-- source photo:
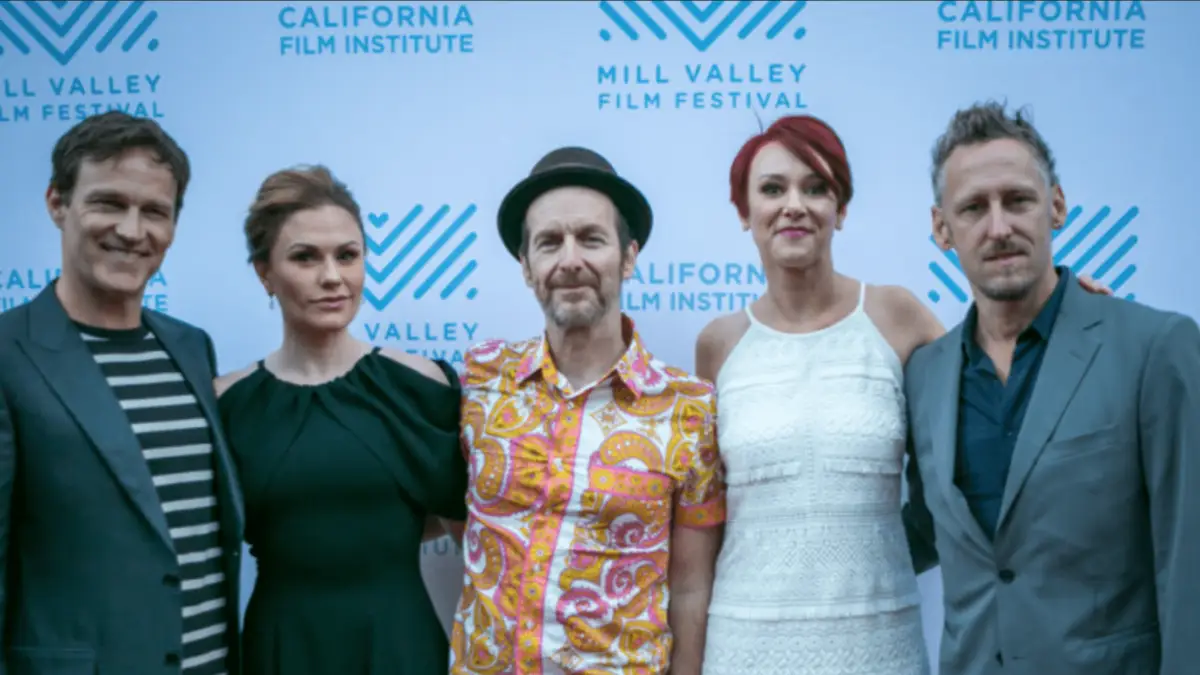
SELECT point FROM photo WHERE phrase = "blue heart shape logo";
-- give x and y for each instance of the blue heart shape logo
(393, 271)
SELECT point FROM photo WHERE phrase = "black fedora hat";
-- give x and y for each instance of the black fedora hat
(573, 166)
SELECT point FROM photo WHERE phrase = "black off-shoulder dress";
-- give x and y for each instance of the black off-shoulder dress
(338, 480)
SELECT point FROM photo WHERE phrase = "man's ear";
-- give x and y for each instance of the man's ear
(941, 229)
(1058, 208)
(56, 206)
(526, 273)
(629, 264)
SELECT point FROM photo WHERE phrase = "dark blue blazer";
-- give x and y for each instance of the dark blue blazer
(90, 573)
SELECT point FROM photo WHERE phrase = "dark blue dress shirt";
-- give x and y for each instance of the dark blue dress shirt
(990, 412)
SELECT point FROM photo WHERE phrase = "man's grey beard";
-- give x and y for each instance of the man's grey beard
(1008, 293)
(577, 317)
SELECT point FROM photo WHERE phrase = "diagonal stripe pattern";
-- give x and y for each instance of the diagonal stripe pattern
(1093, 246)
(703, 25)
(420, 252)
(63, 29)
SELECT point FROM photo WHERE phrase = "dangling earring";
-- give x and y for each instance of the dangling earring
(271, 296)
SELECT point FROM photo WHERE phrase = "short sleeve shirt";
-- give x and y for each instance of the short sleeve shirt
(572, 499)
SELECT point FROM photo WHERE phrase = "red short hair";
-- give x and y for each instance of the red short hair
(809, 139)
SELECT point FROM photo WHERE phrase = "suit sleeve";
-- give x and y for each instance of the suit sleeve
(1169, 426)
(8, 470)
(918, 522)
(211, 352)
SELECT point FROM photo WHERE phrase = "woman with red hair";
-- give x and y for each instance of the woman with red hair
(815, 574)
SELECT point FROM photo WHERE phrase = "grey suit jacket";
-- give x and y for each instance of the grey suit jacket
(1095, 566)
(90, 573)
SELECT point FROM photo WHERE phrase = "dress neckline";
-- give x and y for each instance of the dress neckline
(358, 363)
(859, 309)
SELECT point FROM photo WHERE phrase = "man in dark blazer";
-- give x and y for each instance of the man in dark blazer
(1056, 437)
(120, 515)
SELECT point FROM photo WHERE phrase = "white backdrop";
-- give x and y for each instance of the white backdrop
(430, 111)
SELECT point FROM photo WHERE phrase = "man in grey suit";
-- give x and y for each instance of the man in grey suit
(1055, 436)
(120, 516)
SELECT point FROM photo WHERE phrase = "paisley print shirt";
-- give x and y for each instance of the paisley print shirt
(573, 496)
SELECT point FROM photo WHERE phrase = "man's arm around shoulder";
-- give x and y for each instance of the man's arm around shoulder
(918, 522)
(1169, 426)
(210, 351)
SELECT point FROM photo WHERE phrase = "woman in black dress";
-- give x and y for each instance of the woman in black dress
(346, 455)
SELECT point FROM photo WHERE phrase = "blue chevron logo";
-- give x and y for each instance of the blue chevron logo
(708, 27)
(431, 257)
(1088, 250)
(62, 29)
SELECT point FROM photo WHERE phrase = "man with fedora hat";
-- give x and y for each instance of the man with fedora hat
(595, 475)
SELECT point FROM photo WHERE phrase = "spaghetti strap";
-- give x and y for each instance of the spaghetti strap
(751, 317)
(862, 296)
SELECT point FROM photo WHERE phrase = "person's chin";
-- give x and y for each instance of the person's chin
(578, 304)
(793, 254)
(1008, 288)
(121, 282)
(329, 323)
(575, 314)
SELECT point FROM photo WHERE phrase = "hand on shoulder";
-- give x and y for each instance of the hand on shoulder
(418, 363)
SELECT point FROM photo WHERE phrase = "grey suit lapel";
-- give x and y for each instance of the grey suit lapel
(191, 356)
(56, 349)
(946, 376)
(1068, 356)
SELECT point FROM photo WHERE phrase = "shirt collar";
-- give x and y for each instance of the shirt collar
(1040, 327)
(635, 369)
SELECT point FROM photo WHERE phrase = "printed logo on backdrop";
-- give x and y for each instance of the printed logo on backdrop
(69, 34)
(20, 285)
(392, 29)
(700, 75)
(692, 286)
(420, 266)
(1090, 245)
(1041, 25)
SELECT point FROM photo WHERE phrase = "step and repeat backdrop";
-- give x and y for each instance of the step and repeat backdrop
(431, 111)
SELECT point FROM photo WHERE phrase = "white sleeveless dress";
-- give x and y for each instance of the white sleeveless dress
(815, 576)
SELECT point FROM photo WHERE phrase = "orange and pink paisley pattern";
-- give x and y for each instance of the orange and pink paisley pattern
(572, 500)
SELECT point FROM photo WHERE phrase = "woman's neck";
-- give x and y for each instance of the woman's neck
(311, 357)
(798, 295)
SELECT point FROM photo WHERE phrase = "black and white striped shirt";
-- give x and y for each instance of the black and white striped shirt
(177, 444)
